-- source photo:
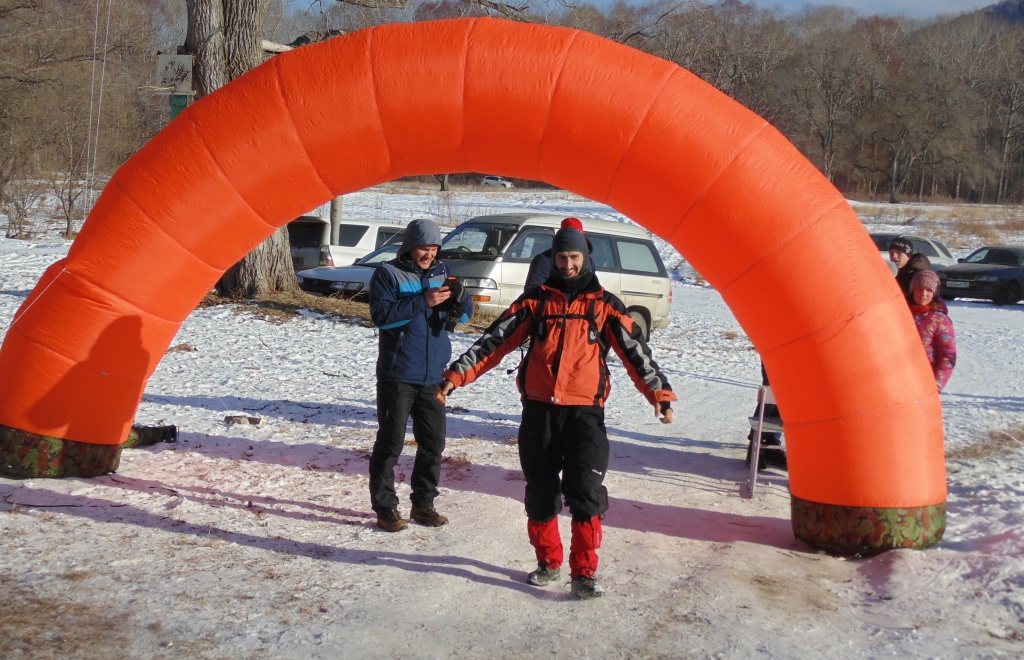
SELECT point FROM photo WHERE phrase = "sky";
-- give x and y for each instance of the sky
(912, 8)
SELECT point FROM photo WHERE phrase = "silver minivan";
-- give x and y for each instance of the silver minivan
(491, 255)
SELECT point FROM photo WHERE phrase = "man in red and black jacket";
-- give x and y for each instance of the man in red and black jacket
(563, 448)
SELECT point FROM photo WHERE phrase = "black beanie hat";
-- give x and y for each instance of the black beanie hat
(903, 245)
(568, 239)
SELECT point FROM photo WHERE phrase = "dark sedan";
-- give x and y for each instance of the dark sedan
(993, 273)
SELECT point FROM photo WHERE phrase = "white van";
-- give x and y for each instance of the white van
(356, 238)
(491, 255)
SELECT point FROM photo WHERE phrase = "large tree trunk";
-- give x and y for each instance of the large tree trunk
(226, 37)
(243, 35)
(205, 42)
(894, 177)
(267, 269)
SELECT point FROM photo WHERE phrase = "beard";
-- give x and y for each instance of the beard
(570, 285)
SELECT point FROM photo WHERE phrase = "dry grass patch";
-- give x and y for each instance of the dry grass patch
(958, 225)
(457, 466)
(34, 624)
(999, 443)
(76, 576)
(280, 308)
(983, 230)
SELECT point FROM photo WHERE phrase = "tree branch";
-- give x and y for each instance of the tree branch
(377, 4)
(271, 47)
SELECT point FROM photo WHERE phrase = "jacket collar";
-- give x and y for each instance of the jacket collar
(593, 287)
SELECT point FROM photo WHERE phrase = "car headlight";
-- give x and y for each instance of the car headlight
(299, 278)
(988, 278)
(479, 283)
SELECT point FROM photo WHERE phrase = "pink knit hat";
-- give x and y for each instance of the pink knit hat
(927, 280)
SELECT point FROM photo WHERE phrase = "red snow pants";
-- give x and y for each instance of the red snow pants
(586, 539)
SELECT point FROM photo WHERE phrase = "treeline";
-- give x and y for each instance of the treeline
(886, 108)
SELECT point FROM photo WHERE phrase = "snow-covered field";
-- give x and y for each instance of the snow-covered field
(258, 541)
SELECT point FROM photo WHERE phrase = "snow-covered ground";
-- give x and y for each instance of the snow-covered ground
(258, 541)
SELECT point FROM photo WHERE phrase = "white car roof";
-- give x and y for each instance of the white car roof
(555, 221)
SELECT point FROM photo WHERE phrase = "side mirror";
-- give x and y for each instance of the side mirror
(960, 260)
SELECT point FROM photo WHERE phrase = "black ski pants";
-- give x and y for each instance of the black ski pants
(396, 402)
(570, 441)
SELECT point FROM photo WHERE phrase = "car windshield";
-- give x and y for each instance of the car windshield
(477, 240)
(386, 253)
(994, 256)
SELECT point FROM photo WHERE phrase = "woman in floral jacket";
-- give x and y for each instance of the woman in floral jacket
(935, 328)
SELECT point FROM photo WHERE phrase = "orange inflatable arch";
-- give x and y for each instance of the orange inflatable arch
(862, 416)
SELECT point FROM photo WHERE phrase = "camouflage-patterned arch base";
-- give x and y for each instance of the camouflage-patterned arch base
(28, 455)
(850, 530)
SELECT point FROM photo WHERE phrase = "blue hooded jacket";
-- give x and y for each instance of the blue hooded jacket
(414, 346)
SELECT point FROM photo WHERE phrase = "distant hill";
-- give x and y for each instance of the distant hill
(1011, 10)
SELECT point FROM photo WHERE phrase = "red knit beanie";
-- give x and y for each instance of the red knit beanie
(573, 223)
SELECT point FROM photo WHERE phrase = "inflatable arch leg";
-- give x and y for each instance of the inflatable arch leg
(863, 418)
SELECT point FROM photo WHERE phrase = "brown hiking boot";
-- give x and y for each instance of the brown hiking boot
(543, 576)
(391, 521)
(427, 516)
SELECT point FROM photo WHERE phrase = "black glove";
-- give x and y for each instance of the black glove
(665, 406)
(458, 292)
(454, 304)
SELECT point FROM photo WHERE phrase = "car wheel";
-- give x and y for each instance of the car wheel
(641, 321)
(1010, 295)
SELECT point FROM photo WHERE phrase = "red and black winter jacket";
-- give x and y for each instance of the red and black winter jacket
(565, 364)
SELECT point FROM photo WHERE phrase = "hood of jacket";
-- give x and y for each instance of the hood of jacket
(419, 233)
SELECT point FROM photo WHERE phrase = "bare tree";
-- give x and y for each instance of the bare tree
(68, 183)
(732, 45)
(957, 54)
(892, 106)
(50, 76)
(205, 42)
(1005, 90)
(21, 195)
(819, 84)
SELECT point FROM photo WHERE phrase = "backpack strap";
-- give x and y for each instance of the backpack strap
(539, 330)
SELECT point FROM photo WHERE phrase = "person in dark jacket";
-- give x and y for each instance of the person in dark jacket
(540, 265)
(571, 322)
(414, 309)
(908, 263)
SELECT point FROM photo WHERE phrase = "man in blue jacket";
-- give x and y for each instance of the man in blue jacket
(414, 309)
